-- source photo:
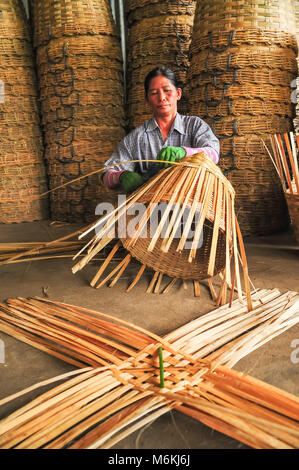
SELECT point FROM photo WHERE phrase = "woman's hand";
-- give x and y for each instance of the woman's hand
(130, 180)
(170, 154)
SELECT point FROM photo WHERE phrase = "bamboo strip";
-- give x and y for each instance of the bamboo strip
(124, 262)
(203, 213)
(219, 209)
(164, 186)
(169, 286)
(152, 283)
(283, 161)
(295, 175)
(137, 278)
(222, 413)
(181, 180)
(181, 203)
(127, 260)
(105, 264)
(196, 288)
(192, 211)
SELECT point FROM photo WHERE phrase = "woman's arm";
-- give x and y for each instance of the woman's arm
(212, 153)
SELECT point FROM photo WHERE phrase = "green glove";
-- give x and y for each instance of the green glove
(129, 181)
(170, 154)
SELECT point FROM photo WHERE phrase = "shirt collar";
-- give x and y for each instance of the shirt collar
(152, 124)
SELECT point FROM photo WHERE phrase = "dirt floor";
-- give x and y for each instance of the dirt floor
(273, 263)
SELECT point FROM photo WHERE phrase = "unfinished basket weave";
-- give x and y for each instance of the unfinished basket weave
(22, 171)
(159, 33)
(243, 62)
(187, 229)
(80, 71)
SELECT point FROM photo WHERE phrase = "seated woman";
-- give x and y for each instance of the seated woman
(167, 136)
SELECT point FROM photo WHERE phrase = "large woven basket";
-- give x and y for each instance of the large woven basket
(186, 228)
(293, 206)
(80, 72)
(207, 193)
(223, 15)
(296, 119)
(71, 17)
(159, 33)
(242, 65)
(22, 170)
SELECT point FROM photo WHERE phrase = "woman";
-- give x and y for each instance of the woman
(167, 136)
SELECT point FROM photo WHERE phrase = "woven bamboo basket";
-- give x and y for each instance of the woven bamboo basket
(187, 229)
(71, 17)
(80, 72)
(22, 170)
(265, 92)
(137, 10)
(245, 76)
(283, 153)
(238, 107)
(13, 25)
(242, 65)
(231, 125)
(245, 152)
(174, 262)
(159, 33)
(243, 58)
(238, 37)
(296, 119)
(293, 207)
(220, 15)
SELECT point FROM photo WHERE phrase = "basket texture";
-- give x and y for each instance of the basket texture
(159, 33)
(296, 120)
(22, 169)
(293, 206)
(174, 261)
(243, 60)
(80, 73)
(223, 15)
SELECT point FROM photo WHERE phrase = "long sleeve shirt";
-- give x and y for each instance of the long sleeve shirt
(146, 141)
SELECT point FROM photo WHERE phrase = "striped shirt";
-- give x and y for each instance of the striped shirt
(146, 141)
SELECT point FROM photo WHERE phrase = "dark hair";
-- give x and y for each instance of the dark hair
(161, 70)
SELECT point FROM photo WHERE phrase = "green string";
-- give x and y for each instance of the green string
(161, 367)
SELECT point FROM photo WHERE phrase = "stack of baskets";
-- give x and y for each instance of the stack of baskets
(80, 71)
(22, 171)
(159, 33)
(243, 61)
(296, 92)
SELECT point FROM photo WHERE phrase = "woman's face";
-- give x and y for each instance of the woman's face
(162, 96)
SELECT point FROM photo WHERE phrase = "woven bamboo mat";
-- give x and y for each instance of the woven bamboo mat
(97, 407)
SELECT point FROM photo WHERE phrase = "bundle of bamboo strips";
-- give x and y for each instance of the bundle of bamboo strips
(15, 252)
(193, 193)
(285, 150)
(97, 407)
